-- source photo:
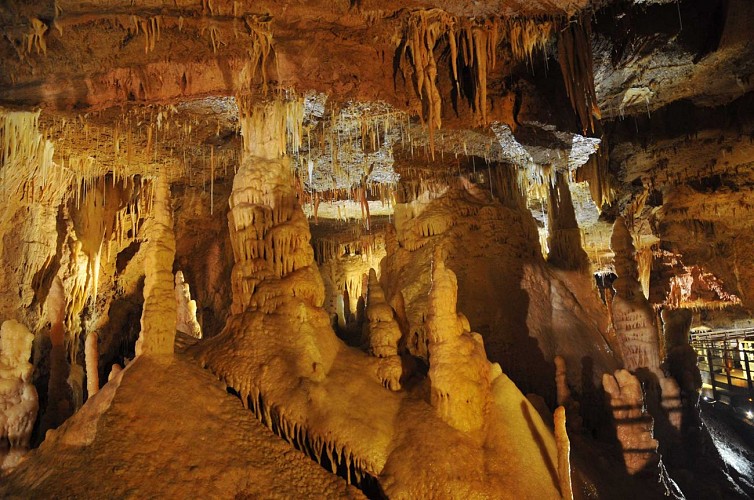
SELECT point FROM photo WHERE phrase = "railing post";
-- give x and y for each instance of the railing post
(727, 364)
(747, 353)
(711, 373)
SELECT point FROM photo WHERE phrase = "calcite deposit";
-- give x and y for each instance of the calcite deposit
(18, 397)
(382, 249)
(186, 321)
(632, 315)
(633, 425)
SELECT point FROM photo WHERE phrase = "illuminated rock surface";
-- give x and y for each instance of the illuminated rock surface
(380, 224)
(195, 426)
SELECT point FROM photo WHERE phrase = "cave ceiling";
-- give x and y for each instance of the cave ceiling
(144, 86)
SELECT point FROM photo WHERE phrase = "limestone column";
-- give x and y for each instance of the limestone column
(158, 318)
(269, 231)
(633, 317)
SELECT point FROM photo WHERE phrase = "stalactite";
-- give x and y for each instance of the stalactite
(36, 39)
(595, 172)
(151, 29)
(472, 45)
(260, 49)
(575, 58)
(644, 258)
(26, 156)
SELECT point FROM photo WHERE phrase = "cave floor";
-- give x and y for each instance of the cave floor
(170, 430)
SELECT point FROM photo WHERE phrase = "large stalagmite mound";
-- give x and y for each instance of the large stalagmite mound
(164, 420)
(280, 354)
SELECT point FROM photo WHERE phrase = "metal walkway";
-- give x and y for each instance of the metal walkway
(726, 361)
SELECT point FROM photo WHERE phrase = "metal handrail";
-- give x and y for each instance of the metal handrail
(724, 350)
(729, 334)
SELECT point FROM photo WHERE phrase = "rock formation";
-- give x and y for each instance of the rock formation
(632, 315)
(564, 453)
(396, 219)
(459, 372)
(564, 238)
(59, 403)
(186, 321)
(383, 334)
(563, 394)
(632, 424)
(158, 319)
(91, 356)
(18, 397)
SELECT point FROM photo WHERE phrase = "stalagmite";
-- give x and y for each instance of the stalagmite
(632, 424)
(561, 384)
(459, 372)
(632, 314)
(58, 404)
(275, 279)
(158, 319)
(18, 397)
(383, 334)
(564, 398)
(114, 371)
(634, 322)
(564, 454)
(91, 356)
(186, 322)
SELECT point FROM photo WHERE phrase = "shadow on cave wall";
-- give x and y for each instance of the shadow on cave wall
(507, 341)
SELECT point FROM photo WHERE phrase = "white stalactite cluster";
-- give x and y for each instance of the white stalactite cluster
(18, 397)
